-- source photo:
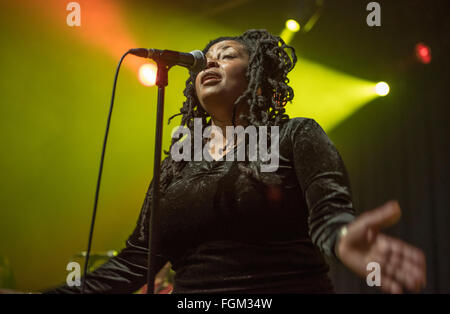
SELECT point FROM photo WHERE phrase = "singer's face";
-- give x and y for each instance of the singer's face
(224, 79)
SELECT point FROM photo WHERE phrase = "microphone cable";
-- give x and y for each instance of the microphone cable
(94, 212)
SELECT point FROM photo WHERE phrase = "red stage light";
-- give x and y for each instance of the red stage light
(423, 53)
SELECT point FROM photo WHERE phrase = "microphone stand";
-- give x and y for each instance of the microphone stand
(153, 236)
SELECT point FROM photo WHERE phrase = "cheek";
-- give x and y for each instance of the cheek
(237, 71)
(197, 86)
(238, 76)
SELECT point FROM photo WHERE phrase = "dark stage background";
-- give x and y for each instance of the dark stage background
(398, 148)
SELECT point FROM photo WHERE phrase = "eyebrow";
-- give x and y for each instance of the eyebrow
(224, 48)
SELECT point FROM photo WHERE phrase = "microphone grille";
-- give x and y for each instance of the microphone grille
(200, 61)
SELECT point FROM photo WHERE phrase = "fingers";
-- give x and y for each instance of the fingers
(415, 260)
(418, 258)
(404, 272)
(391, 286)
(401, 263)
(384, 216)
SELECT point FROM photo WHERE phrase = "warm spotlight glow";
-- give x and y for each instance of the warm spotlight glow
(292, 25)
(382, 88)
(147, 74)
(423, 53)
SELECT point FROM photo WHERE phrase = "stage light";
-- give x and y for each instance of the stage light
(327, 95)
(423, 53)
(290, 28)
(382, 88)
(147, 74)
(292, 25)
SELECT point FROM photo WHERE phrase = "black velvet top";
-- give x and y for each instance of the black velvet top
(227, 232)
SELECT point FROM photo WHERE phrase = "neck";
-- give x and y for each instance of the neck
(222, 124)
(219, 139)
(222, 119)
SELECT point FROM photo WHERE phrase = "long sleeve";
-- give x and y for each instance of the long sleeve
(126, 272)
(324, 182)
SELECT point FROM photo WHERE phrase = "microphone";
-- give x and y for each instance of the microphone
(195, 60)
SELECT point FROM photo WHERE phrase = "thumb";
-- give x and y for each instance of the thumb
(383, 216)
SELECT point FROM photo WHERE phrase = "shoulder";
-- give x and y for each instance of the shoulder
(300, 125)
(299, 121)
(305, 133)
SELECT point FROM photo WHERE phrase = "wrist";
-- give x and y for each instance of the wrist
(342, 232)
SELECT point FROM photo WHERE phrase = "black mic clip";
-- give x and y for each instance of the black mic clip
(140, 52)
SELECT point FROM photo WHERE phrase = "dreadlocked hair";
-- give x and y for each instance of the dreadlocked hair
(267, 94)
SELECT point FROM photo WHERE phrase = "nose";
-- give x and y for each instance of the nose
(211, 63)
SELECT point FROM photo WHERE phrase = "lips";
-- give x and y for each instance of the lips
(210, 75)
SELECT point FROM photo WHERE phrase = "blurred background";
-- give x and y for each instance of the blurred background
(55, 90)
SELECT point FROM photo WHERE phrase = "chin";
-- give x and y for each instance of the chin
(214, 95)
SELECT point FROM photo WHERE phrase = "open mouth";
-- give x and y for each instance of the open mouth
(211, 77)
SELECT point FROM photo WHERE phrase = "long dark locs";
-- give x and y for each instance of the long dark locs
(267, 94)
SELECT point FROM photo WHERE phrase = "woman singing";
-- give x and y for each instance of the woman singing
(229, 227)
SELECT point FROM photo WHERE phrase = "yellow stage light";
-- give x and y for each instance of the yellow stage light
(292, 25)
(382, 89)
